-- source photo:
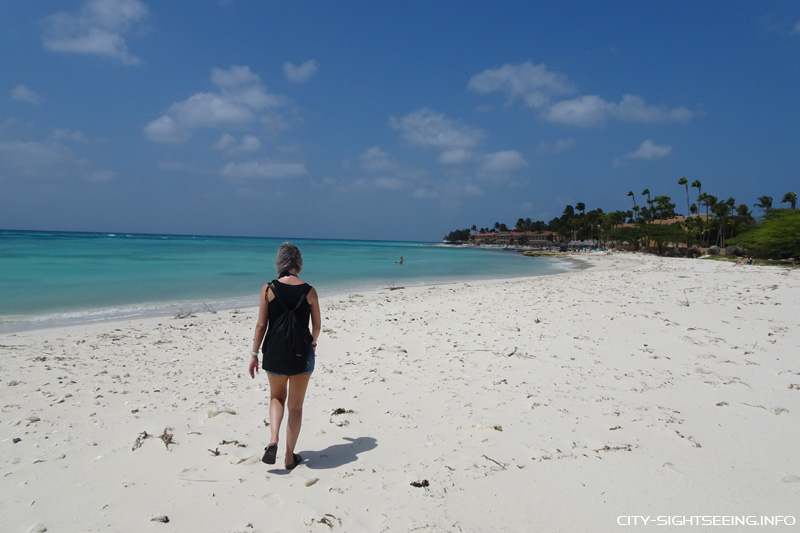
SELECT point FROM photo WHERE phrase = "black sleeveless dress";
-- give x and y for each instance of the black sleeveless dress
(290, 295)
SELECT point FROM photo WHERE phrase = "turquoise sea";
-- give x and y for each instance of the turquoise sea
(56, 278)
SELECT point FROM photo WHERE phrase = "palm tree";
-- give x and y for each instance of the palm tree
(685, 182)
(744, 219)
(633, 197)
(665, 207)
(698, 185)
(617, 217)
(790, 198)
(743, 210)
(707, 200)
(580, 206)
(722, 210)
(765, 203)
(694, 226)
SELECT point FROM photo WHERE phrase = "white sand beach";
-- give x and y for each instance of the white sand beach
(642, 386)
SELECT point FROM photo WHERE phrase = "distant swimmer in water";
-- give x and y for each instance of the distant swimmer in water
(399, 261)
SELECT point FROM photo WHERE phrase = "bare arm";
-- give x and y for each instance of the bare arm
(261, 329)
(316, 320)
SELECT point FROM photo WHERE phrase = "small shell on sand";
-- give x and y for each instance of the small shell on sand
(487, 425)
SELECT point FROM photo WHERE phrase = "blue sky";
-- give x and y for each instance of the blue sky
(385, 120)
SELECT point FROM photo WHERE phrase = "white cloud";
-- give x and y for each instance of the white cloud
(165, 130)
(234, 77)
(424, 193)
(228, 144)
(796, 27)
(454, 157)
(470, 189)
(453, 189)
(249, 143)
(390, 183)
(98, 28)
(21, 93)
(591, 110)
(375, 159)
(534, 84)
(584, 111)
(537, 86)
(240, 98)
(632, 108)
(101, 176)
(203, 110)
(556, 147)
(301, 73)
(263, 170)
(647, 151)
(35, 159)
(181, 166)
(68, 135)
(48, 160)
(499, 163)
(427, 128)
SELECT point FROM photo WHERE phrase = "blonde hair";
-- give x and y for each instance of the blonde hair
(289, 257)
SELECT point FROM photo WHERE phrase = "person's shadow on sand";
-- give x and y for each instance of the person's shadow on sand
(338, 454)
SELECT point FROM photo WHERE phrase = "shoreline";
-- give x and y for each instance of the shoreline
(639, 386)
(143, 310)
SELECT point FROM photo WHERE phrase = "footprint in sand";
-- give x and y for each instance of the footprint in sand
(272, 499)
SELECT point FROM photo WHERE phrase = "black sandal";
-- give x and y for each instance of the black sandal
(269, 454)
(297, 461)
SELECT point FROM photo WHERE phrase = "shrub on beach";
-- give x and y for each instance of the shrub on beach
(778, 237)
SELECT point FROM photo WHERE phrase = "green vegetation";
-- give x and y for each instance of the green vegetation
(459, 235)
(721, 223)
(778, 237)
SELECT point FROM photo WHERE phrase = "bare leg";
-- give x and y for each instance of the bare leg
(277, 392)
(297, 395)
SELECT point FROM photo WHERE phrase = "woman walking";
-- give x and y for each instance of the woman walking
(288, 372)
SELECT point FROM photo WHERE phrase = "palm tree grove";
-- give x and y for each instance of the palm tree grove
(712, 225)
